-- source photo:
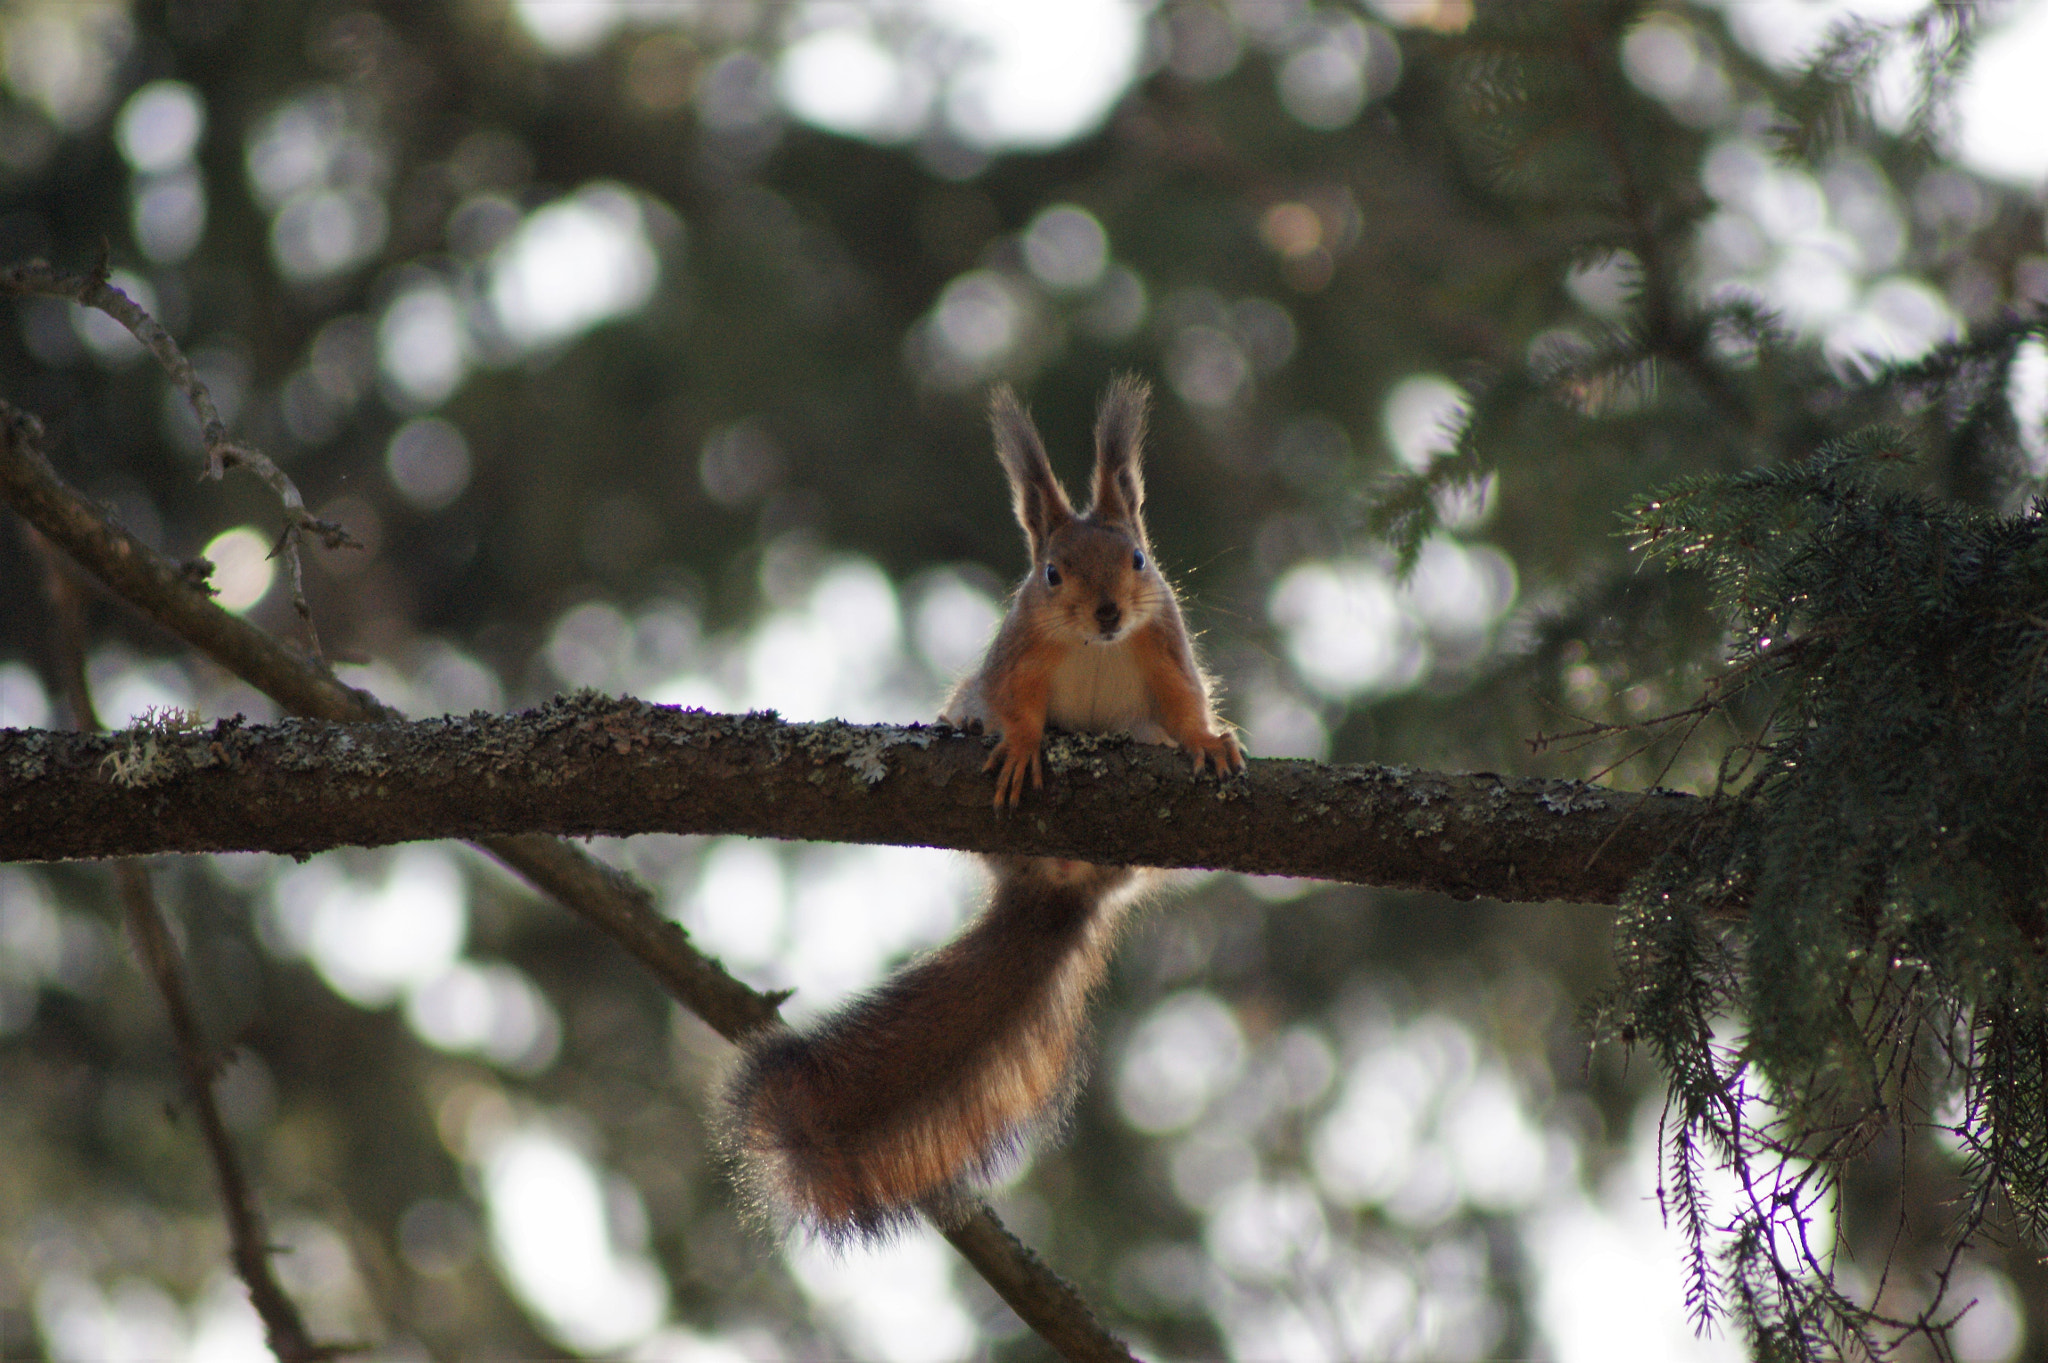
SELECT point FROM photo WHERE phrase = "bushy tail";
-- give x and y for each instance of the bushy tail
(934, 1079)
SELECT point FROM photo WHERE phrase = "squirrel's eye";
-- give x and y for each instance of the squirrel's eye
(1052, 575)
(1138, 560)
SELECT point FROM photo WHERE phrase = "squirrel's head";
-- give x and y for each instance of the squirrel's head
(1092, 576)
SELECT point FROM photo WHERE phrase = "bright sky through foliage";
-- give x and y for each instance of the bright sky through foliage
(2001, 107)
(1044, 79)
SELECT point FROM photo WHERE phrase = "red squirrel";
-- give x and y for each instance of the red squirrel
(928, 1084)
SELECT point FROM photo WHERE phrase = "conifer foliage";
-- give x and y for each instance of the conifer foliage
(1849, 971)
(1890, 978)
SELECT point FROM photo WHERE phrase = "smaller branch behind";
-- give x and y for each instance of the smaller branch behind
(249, 1245)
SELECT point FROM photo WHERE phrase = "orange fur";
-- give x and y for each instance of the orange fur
(926, 1085)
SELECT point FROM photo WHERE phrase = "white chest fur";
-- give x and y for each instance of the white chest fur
(1098, 688)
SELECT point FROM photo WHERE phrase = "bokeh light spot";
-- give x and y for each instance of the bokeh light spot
(573, 264)
(242, 567)
(160, 125)
(1421, 418)
(551, 1232)
(1066, 247)
(428, 461)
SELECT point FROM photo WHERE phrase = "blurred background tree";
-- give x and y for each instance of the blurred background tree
(645, 348)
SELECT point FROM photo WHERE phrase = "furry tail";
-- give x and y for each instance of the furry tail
(934, 1079)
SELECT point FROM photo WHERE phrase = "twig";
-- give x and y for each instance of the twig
(613, 902)
(1596, 729)
(92, 290)
(1034, 1291)
(249, 1246)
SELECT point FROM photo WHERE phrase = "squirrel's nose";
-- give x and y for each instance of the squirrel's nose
(1107, 614)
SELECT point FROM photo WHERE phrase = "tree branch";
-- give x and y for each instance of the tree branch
(1022, 1280)
(590, 764)
(283, 1328)
(249, 1243)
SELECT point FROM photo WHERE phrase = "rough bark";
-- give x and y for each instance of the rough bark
(590, 764)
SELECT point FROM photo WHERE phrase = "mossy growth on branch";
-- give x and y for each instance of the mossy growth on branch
(1858, 953)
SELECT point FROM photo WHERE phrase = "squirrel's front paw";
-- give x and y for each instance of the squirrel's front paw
(1221, 749)
(1010, 763)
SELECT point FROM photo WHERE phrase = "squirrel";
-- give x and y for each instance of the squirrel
(930, 1083)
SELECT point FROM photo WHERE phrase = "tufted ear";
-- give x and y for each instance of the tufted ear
(1040, 502)
(1119, 442)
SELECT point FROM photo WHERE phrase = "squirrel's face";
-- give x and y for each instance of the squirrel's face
(1095, 584)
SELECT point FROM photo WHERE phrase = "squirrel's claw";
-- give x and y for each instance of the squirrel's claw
(1223, 750)
(1010, 771)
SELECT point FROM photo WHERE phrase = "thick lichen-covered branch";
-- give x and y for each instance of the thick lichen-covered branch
(591, 764)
